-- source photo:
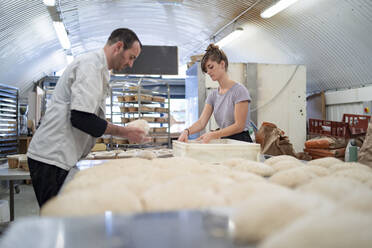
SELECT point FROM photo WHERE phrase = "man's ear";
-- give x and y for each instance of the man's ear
(118, 46)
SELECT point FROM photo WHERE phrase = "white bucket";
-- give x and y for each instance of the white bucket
(4, 211)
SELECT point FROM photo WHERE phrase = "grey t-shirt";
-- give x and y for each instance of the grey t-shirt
(224, 105)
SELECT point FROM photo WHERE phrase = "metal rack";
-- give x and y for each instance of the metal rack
(143, 106)
(8, 120)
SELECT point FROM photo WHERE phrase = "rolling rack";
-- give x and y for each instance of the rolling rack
(131, 100)
(8, 120)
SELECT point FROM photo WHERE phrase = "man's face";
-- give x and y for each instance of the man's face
(127, 57)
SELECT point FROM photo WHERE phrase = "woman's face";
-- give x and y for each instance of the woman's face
(215, 70)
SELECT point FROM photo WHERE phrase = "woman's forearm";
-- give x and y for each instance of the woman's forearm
(195, 128)
(230, 130)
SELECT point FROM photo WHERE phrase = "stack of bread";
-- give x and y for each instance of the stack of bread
(321, 147)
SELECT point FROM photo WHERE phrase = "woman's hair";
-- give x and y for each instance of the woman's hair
(214, 53)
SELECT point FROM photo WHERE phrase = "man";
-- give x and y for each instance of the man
(76, 115)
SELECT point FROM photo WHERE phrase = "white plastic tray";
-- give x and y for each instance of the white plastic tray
(217, 150)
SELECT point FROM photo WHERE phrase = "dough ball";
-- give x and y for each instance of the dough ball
(146, 154)
(239, 192)
(106, 197)
(360, 175)
(352, 165)
(293, 178)
(275, 159)
(360, 200)
(285, 165)
(348, 229)
(243, 176)
(180, 162)
(255, 167)
(140, 124)
(335, 188)
(189, 192)
(264, 214)
(324, 162)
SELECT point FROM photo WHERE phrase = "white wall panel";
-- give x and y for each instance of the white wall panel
(335, 112)
(284, 105)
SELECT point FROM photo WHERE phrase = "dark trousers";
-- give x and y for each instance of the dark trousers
(47, 180)
(243, 136)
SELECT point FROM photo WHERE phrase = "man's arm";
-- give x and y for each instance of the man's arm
(88, 123)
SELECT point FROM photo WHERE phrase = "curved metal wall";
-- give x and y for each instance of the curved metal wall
(330, 37)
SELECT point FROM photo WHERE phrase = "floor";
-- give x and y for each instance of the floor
(25, 203)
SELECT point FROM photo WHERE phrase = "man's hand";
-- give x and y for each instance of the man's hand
(134, 134)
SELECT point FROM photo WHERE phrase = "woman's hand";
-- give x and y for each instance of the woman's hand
(184, 137)
(205, 138)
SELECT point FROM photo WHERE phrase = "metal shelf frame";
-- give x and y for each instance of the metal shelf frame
(122, 87)
(9, 120)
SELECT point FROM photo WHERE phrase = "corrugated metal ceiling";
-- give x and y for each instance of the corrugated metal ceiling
(331, 37)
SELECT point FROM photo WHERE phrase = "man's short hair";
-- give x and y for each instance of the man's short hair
(127, 36)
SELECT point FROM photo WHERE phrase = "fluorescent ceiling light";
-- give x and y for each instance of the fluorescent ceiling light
(170, 2)
(232, 36)
(70, 58)
(276, 8)
(62, 35)
(49, 2)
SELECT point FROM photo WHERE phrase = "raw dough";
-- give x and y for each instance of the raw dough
(146, 154)
(253, 167)
(105, 197)
(318, 170)
(275, 159)
(293, 177)
(285, 165)
(345, 230)
(264, 214)
(324, 162)
(335, 188)
(140, 124)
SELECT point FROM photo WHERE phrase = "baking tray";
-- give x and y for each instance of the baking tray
(177, 229)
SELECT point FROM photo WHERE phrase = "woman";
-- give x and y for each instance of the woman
(229, 103)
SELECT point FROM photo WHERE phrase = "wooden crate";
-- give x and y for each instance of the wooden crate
(124, 120)
(146, 109)
(132, 109)
(129, 98)
(160, 140)
(161, 119)
(123, 109)
(161, 110)
(143, 97)
(120, 141)
(146, 118)
(13, 161)
(158, 99)
(160, 129)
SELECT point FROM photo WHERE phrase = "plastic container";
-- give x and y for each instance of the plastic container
(351, 153)
(358, 124)
(330, 128)
(217, 150)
